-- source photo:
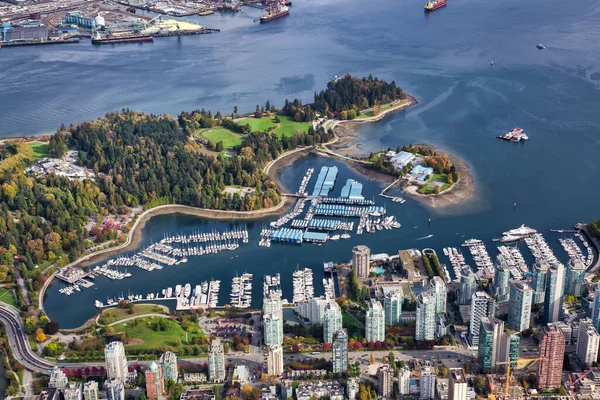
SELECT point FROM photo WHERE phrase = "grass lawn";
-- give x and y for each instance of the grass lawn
(354, 326)
(217, 134)
(116, 314)
(6, 295)
(427, 189)
(39, 149)
(287, 126)
(369, 112)
(144, 335)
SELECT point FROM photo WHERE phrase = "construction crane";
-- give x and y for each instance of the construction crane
(508, 363)
(586, 373)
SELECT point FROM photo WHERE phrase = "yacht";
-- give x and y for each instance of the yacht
(187, 290)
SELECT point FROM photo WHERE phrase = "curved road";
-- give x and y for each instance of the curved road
(19, 343)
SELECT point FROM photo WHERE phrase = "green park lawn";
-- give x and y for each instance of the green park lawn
(230, 139)
(39, 149)
(287, 126)
(143, 334)
(354, 326)
(369, 112)
(6, 295)
(427, 188)
(117, 314)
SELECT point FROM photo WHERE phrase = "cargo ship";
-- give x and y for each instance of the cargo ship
(434, 5)
(105, 39)
(274, 12)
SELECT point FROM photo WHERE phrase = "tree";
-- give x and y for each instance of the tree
(391, 356)
(479, 385)
(40, 336)
(219, 146)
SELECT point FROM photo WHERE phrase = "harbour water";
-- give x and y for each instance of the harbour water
(442, 58)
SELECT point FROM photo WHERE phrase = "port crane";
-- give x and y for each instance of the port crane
(508, 368)
(586, 373)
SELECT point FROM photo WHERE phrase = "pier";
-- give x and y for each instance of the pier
(325, 181)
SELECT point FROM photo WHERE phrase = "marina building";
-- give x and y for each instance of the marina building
(155, 384)
(361, 256)
(385, 378)
(273, 329)
(538, 281)
(519, 310)
(596, 308)
(115, 389)
(404, 381)
(332, 321)
(275, 360)
(467, 287)
(339, 350)
(482, 305)
(216, 361)
(402, 159)
(552, 352)
(575, 281)
(392, 303)
(115, 361)
(501, 279)
(437, 287)
(375, 322)
(427, 383)
(588, 341)
(554, 293)
(168, 363)
(90, 390)
(325, 181)
(352, 190)
(457, 384)
(425, 322)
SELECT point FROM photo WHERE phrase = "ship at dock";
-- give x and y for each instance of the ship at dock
(273, 12)
(434, 5)
(99, 38)
(516, 135)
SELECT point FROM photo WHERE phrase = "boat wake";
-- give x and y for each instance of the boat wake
(425, 237)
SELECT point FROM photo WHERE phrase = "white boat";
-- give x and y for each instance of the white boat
(177, 290)
(187, 290)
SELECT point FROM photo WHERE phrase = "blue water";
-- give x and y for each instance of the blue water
(442, 58)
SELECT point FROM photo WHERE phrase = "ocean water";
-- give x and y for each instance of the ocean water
(442, 58)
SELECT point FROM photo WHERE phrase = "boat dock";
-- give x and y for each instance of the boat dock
(304, 290)
(352, 190)
(325, 181)
(347, 211)
(186, 32)
(304, 183)
(288, 235)
(241, 291)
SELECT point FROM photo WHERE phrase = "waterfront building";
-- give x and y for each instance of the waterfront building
(272, 303)
(538, 281)
(501, 279)
(519, 310)
(425, 321)
(168, 364)
(404, 380)
(552, 352)
(427, 383)
(155, 384)
(575, 281)
(115, 389)
(482, 305)
(58, 379)
(402, 159)
(385, 379)
(588, 341)
(466, 288)
(273, 329)
(554, 293)
(437, 287)
(490, 333)
(332, 321)
(275, 360)
(392, 303)
(457, 384)
(352, 386)
(115, 361)
(339, 350)
(313, 310)
(72, 391)
(216, 361)
(361, 261)
(375, 322)
(595, 314)
(90, 390)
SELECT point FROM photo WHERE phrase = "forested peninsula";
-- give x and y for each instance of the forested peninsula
(138, 161)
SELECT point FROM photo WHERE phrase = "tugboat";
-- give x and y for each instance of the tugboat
(273, 12)
(434, 5)
(540, 46)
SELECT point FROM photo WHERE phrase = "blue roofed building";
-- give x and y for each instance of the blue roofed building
(402, 159)
(421, 173)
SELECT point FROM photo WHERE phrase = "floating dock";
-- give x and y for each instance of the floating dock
(288, 235)
(325, 181)
(352, 190)
(347, 211)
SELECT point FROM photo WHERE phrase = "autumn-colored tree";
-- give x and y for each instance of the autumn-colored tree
(40, 336)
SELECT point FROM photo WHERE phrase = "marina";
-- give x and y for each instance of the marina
(540, 249)
(272, 285)
(303, 288)
(480, 257)
(575, 252)
(241, 291)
